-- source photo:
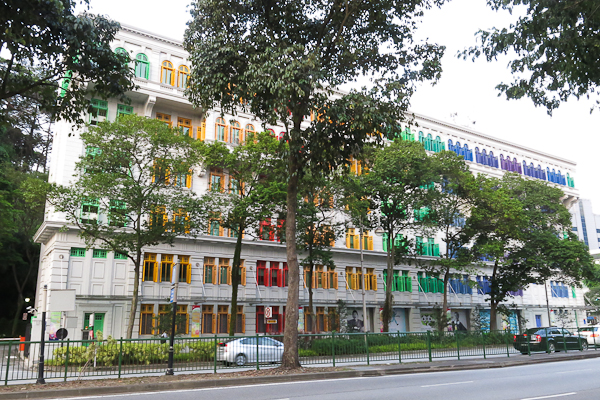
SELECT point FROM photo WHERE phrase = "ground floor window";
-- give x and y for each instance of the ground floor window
(147, 319)
(223, 319)
(208, 319)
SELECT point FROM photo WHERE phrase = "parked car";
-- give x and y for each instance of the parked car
(549, 339)
(244, 350)
(592, 334)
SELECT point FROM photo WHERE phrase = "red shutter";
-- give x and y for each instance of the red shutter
(267, 277)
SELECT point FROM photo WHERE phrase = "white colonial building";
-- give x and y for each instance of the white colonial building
(103, 281)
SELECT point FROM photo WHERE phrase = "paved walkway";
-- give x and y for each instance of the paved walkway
(357, 370)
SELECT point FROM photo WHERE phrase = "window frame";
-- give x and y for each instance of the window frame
(138, 70)
(167, 73)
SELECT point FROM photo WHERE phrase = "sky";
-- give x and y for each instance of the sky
(466, 89)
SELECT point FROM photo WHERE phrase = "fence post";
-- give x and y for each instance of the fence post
(333, 347)
(367, 345)
(215, 355)
(429, 345)
(257, 356)
(483, 343)
(457, 335)
(120, 355)
(8, 363)
(507, 346)
(399, 350)
(67, 360)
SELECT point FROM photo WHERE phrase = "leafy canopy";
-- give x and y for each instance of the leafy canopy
(555, 48)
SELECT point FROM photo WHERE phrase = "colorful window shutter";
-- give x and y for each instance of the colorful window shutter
(374, 282)
(335, 280)
(243, 270)
(229, 275)
(370, 243)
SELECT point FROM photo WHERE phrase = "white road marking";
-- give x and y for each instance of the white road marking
(575, 370)
(446, 384)
(551, 396)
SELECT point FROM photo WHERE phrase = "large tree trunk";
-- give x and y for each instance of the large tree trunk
(235, 281)
(136, 288)
(290, 358)
(386, 314)
(493, 301)
(444, 317)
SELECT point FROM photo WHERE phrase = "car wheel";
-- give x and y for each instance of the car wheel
(240, 360)
(584, 346)
(551, 348)
(524, 353)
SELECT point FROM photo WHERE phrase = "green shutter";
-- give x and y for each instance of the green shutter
(77, 252)
(120, 256)
(99, 253)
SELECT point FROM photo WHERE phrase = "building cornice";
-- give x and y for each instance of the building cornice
(150, 35)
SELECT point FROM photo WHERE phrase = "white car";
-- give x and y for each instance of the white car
(592, 334)
(244, 350)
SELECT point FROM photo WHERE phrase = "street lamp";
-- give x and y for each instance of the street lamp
(40, 378)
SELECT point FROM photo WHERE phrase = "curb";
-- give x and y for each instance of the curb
(403, 369)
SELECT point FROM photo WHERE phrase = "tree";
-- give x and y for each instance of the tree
(256, 191)
(449, 212)
(281, 62)
(130, 191)
(317, 230)
(555, 47)
(397, 185)
(44, 45)
(524, 230)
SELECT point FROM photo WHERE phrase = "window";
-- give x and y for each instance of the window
(308, 321)
(352, 239)
(120, 256)
(260, 319)
(166, 267)
(401, 282)
(236, 133)
(89, 211)
(359, 279)
(430, 284)
(99, 111)
(117, 215)
(222, 319)
(240, 321)
(321, 320)
(210, 275)
(275, 274)
(182, 76)
(167, 73)
(320, 277)
(150, 269)
(160, 172)
(214, 225)
(234, 186)
(332, 278)
(356, 167)
(201, 131)
(220, 130)
(99, 253)
(166, 118)
(158, 218)
(265, 231)
(77, 252)
(249, 130)
(185, 269)
(182, 320)
(370, 279)
(217, 180)
(428, 248)
(351, 278)
(123, 109)
(142, 66)
(367, 241)
(146, 319)
(262, 273)
(284, 276)
(224, 272)
(208, 319)
(185, 125)
(309, 277)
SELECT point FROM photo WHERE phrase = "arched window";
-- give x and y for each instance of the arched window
(220, 130)
(142, 66)
(167, 73)
(549, 174)
(272, 132)
(235, 132)
(249, 129)
(450, 144)
(120, 50)
(281, 135)
(182, 76)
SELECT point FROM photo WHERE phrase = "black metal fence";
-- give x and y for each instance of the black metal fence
(72, 359)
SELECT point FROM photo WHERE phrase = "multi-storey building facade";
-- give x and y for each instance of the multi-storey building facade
(586, 224)
(103, 281)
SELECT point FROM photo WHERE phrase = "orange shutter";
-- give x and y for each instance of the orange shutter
(370, 242)
(226, 133)
(335, 280)
(243, 268)
(214, 323)
(229, 275)
(243, 323)
(215, 273)
(188, 278)
(374, 282)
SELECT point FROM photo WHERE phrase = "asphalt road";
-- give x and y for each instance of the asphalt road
(568, 380)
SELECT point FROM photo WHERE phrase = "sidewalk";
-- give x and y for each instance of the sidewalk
(239, 378)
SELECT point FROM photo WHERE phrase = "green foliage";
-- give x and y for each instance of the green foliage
(43, 42)
(555, 46)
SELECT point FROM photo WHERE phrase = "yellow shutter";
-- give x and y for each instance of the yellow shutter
(243, 323)
(243, 275)
(335, 280)
(215, 273)
(214, 323)
(188, 278)
(188, 180)
(374, 282)
(370, 243)
(228, 321)
(348, 240)
(325, 278)
(355, 240)
(314, 278)
(155, 277)
(202, 131)
(325, 322)
(242, 135)
(229, 275)
(227, 133)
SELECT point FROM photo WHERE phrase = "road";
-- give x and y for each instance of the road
(568, 380)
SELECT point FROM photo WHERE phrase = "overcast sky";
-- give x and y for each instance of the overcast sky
(466, 88)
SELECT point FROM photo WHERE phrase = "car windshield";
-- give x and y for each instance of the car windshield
(588, 329)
